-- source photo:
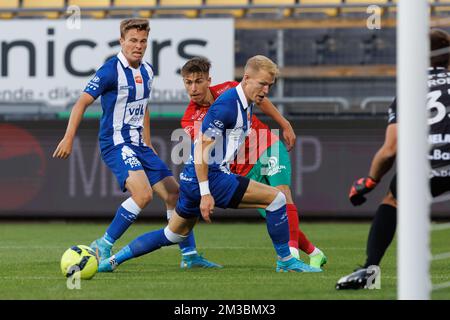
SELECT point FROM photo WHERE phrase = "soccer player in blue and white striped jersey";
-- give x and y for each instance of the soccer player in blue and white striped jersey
(124, 82)
(206, 181)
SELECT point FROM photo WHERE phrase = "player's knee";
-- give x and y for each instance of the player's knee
(389, 199)
(172, 197)
(172, 236)
(143, 198)
(277, 203)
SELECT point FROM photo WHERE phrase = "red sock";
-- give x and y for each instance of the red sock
(301, 241)
(304, 244)
(292, 214)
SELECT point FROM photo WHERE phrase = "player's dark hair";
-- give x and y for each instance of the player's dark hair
(439, 39)
(133, 23)
(196, 65)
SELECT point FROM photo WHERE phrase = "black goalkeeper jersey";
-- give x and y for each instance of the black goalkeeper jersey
(438, 105)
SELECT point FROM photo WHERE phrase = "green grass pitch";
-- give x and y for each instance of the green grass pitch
(30, 254)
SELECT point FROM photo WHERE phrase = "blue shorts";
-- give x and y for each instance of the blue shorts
(126, 157)
(226, 188)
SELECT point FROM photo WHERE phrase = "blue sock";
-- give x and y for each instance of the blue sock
(278, 228)
(149, 242)
(124, 254)
(125, 216)
(188, 245)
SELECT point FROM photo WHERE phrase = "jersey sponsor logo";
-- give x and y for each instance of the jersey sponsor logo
(439, 138)
(440, 173)
(218, 124)
(439, 155)
(126, 87)
(273, 167)
(138, 79)
(134, 113)
(96, 79)
(129, 157)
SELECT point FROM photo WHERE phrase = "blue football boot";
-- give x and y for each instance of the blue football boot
(295, 265)
(102, 249)
(197, 261)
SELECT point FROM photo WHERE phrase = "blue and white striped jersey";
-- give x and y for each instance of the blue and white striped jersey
(228, 121)
(125, 93)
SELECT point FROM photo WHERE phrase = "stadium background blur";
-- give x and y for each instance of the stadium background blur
(337, 81)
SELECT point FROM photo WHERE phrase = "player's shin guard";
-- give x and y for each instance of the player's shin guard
(277, 225)
(125, 216)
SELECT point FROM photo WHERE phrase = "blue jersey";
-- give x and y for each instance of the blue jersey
(228, 122)
(125, 93)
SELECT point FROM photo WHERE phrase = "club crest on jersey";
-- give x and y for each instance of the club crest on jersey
(138, 79)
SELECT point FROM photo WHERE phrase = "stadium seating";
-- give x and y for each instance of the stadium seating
(32, 4)
(363, 10)
(237, 13)
(174, 3)
(133, 3)
(8, 4)
(286, 12)
(86, 4)
(319, 11)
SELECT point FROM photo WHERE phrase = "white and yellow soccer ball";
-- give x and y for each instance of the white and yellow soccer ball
(80, 259)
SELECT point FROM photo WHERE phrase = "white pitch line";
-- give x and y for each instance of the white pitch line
(441, 256)
(440, 226)
(440, 286)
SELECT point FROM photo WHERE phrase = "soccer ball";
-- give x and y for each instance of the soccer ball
(80, 259)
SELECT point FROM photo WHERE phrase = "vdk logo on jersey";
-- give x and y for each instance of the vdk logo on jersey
(134, 113)
(129, 157)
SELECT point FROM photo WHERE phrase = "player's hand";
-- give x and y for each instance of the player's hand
(207, 207)
(64, 149)
(289, 136)
(359, 188)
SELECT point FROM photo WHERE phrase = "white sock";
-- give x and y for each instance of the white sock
(315, 252)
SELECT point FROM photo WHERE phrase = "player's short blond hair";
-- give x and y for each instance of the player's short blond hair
(261, 62)
(133, 23)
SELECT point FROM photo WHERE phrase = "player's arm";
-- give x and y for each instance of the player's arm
(381, 163)
(64, 148)
(385, 157)
(146, 132)
(201, 158)
(269, 109)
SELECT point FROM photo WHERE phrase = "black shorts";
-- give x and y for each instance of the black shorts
(438, 185)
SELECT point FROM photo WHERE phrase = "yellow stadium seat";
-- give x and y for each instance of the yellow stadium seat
(364, 9)
(133, 3)
(326, 11)
(174, 3)
(32, 4)
(86, 4)
(8, 4)
(237, 13)
(286, 12)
